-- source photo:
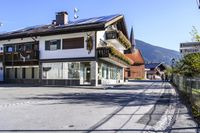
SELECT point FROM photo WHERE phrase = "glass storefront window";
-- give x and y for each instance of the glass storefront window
(22, 73)
(109, 71)
(52, 71)
(10, 74)
(73, 70)
(61, 70)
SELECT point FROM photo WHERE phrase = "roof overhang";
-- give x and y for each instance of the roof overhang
(65, 30)
(114, 62)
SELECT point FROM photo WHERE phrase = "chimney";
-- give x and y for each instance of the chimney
(61, 18)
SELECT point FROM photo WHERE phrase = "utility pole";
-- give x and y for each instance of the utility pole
(172, 63)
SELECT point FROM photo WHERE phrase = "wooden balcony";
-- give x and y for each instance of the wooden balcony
(21, 58)
(110, 54)
(115, 34)
(1, 57)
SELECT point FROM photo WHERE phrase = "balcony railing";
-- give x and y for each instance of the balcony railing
(1, 57)
(21, 57)
(115, 34)
(112, 53)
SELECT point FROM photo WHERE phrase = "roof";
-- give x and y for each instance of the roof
(153, 65)
(136, 56)
(89, 24)
(190, 44)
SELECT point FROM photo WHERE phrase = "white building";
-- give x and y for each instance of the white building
(83, 52)
(189, 47)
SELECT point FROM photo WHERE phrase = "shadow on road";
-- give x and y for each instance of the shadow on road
(109, 99)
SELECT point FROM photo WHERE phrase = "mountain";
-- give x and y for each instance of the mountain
(156, 54)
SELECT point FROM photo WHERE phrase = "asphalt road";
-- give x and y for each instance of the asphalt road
(133, 107)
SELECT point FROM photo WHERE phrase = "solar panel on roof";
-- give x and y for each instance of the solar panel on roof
(39, 28)
(89, 21)
(31, 28)
(95, 20)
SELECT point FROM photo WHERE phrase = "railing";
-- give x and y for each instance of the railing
(112, 53)
(189, 89)
(21, 58)
(1, 57)
(115, 34)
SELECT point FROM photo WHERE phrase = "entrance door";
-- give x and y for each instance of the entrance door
(85, 73)
(87, 78)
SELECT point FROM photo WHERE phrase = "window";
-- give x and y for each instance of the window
(28, 73)
(107, 72)
(33, 74)
(61, 70)
(27, 46)
(15, 73)
(73, 70)
(20, 47)
(23, 73)
(103, 72)
(52, 70)
(10, 73)
(129, 73)
(52, 45)
(10, 48)
(73, 43)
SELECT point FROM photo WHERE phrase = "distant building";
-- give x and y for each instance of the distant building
(189, 47)
(137, 69)
(82, 52)
(154, 70)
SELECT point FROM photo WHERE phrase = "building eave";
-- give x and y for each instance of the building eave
(65, 30)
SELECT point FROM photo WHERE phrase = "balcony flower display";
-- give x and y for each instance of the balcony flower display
(111, 52)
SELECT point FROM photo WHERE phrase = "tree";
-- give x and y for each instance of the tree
(189, 65)
(195, 35)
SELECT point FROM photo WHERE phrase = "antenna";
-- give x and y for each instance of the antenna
(75, 13)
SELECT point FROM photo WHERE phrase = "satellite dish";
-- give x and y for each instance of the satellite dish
(75, 13)
(76, 10)
(75, 16)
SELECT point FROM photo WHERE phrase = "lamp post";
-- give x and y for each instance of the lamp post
(173, 61)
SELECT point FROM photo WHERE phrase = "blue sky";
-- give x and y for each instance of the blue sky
(164, 23)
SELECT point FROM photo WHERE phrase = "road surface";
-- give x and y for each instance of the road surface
(132, 107)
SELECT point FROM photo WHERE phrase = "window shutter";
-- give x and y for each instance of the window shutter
(73, 43)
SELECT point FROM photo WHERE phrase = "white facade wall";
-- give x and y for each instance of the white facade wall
(66, 53)
(62, 53)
